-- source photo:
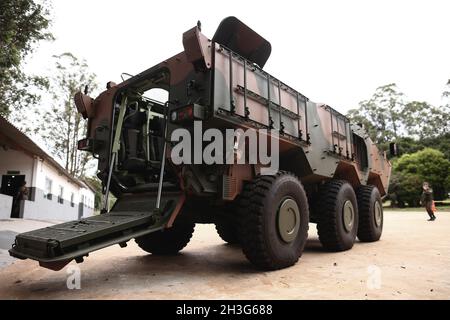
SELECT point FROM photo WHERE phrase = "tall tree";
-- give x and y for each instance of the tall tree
(22, 24)
(445, 108)
(422, 120)
(446, 93)
(381, 114)
(62, 126)
(387, 116)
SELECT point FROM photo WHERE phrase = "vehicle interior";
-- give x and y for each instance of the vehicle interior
(141, 138)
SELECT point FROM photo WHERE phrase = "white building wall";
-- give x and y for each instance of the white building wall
(88, 205)
(45, 170)
(36, 170)
(5, 206)
(12, 160)
(44, 208)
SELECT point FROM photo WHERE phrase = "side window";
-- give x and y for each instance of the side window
(157, 94)
(61, 195)
(48, 188)
(72, 196)
(360, 152)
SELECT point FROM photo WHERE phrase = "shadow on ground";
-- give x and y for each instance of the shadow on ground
(188, 267)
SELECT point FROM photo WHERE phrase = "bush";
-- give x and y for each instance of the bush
(409, 172)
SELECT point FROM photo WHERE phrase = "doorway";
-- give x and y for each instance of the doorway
(10, 186)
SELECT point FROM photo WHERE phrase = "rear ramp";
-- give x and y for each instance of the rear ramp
(132, 216)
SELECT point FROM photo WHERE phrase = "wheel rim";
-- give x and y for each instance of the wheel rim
(348, 216)
(288, 220)
(378, 214)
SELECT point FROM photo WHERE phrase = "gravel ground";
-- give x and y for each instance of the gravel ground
(411, 261)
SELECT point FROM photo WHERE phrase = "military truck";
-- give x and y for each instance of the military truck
(329, 172)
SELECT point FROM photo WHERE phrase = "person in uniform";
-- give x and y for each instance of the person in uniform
(427, 200)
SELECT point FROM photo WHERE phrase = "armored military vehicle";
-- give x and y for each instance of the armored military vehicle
(328, 171)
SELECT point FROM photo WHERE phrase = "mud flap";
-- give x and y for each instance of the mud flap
(133, 216)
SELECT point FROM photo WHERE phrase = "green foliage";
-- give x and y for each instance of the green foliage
(381, 114)
(62, 126)
(411, 145)
(22, 24)
(387, 117)
(423, 120)
(411, 170)
(441, 143)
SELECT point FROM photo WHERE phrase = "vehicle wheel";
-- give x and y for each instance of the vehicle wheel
(370, 214)
(273, 220)
(227, 230)
(337, 220)
(168, 241)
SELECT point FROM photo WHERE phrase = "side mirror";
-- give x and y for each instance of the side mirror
(393, 149)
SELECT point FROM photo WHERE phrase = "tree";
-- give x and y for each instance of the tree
(23, 23)
(446, 93)
(62, 125)
(445, 108)
(441, 143)
(422, 120)
(388, 117)
(381, 114)
(411, 170)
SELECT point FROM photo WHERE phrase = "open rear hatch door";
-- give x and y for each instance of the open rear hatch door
(131, 217)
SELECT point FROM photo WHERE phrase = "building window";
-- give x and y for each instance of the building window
(61, 195)
(72, 196)
(48, 188)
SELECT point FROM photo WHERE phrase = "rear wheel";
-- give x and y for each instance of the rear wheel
(337, 215)
(370, 214)
(167, 241)
(273, 224)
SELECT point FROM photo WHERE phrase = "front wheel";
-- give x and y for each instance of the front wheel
(273, 224)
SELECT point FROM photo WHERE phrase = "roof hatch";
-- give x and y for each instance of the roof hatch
(238, 37)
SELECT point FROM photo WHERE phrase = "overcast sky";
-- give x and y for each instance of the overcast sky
(335, 52)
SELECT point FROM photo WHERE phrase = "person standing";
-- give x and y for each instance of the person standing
(427, 200)
(22, 194)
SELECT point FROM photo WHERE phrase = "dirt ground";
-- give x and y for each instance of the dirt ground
(411, 261)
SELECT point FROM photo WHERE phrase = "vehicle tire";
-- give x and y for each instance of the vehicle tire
(370, 213)
(227, 231)
(273, 220)
(167, 241)
(337, 219)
